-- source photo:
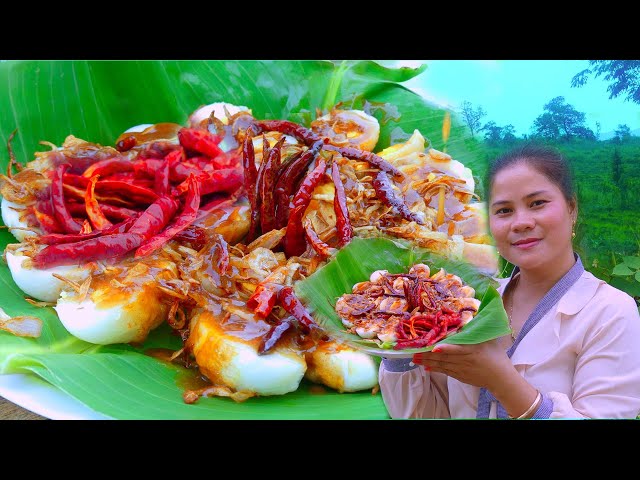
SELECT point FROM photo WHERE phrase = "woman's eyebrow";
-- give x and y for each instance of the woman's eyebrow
(533, 194)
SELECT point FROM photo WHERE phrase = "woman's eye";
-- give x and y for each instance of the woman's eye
(537, 203)
(502, 211)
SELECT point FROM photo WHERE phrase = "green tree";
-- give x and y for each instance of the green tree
(623, 77)
(623, 132)
(598, 127)
(561, 120)
(508, 133)
(492, 133)
(545, 126)
(472, 116)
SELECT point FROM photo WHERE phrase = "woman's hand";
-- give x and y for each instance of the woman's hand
(481, 365)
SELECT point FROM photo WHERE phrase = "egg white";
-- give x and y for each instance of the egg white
(139, 128)
(227, 360)
(343, 368)
(126, 321)
(40, 283)
(11, 218)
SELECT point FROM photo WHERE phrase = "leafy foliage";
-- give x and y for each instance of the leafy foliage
(623, 77)
(561, 120)
(472, 116)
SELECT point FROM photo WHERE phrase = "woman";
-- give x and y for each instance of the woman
(574, 348)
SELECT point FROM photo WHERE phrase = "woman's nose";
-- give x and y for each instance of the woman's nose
(523, 220)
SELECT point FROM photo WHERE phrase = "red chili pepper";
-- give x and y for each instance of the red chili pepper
(58, 238)
(60, 211)
(289, 180)
(48, 223)
(161, 181)
(387, 194)
(370, 157)
(106, 167)
(254, 227)
(182, 221)
(343, 224)
(273, 335)
(264, 299)
(43, 211)
(75, 187)
(267, 203)
(294, 240)
(301, 133)
(98, 220)
(200, 140)
(321, 248)
(288, 300)
(418, 342)
(155, 218)
(132, 191)
(86, 227)
(99, 248)
(110, 211)
(308, 185)
(127, 143)
(224, 180)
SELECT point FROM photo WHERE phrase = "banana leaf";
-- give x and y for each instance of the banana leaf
(98, 100)
(362, 256)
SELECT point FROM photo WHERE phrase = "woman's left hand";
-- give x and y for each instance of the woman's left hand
(481, 365)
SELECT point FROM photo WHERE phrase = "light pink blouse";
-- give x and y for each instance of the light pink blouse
(584, 355)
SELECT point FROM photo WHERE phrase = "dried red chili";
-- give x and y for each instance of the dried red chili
(99, 248)
(273, 335)
(343, 224)
(200, 140)
(94, 212)
(321, 248)
(288, 300)
(370, 157)
(107, 167)
(182, 221)
(267, 201)
(301, 133)
(387, 194)
(289, 180)
(294, 240)
(264, 299)
(60, 211)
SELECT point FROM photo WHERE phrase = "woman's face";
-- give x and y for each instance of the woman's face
(530, 219)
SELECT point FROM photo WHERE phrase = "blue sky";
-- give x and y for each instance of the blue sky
(515, 91)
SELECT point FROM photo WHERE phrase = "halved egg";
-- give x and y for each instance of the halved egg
(341, 367)
(40, 283)
(232, 359)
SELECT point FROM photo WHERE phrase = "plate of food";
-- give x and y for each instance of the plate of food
(162, 254)
(390, 298)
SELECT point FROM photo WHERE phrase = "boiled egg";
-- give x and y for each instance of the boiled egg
(40, 283)
(341, 367)
(11, 216)
(232, 361)
(101, 319)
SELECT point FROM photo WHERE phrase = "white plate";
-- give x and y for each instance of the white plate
(38, 396)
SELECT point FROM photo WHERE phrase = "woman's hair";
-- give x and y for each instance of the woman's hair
(546, 160)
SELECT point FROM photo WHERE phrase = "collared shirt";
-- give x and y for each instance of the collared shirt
(581, 355)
